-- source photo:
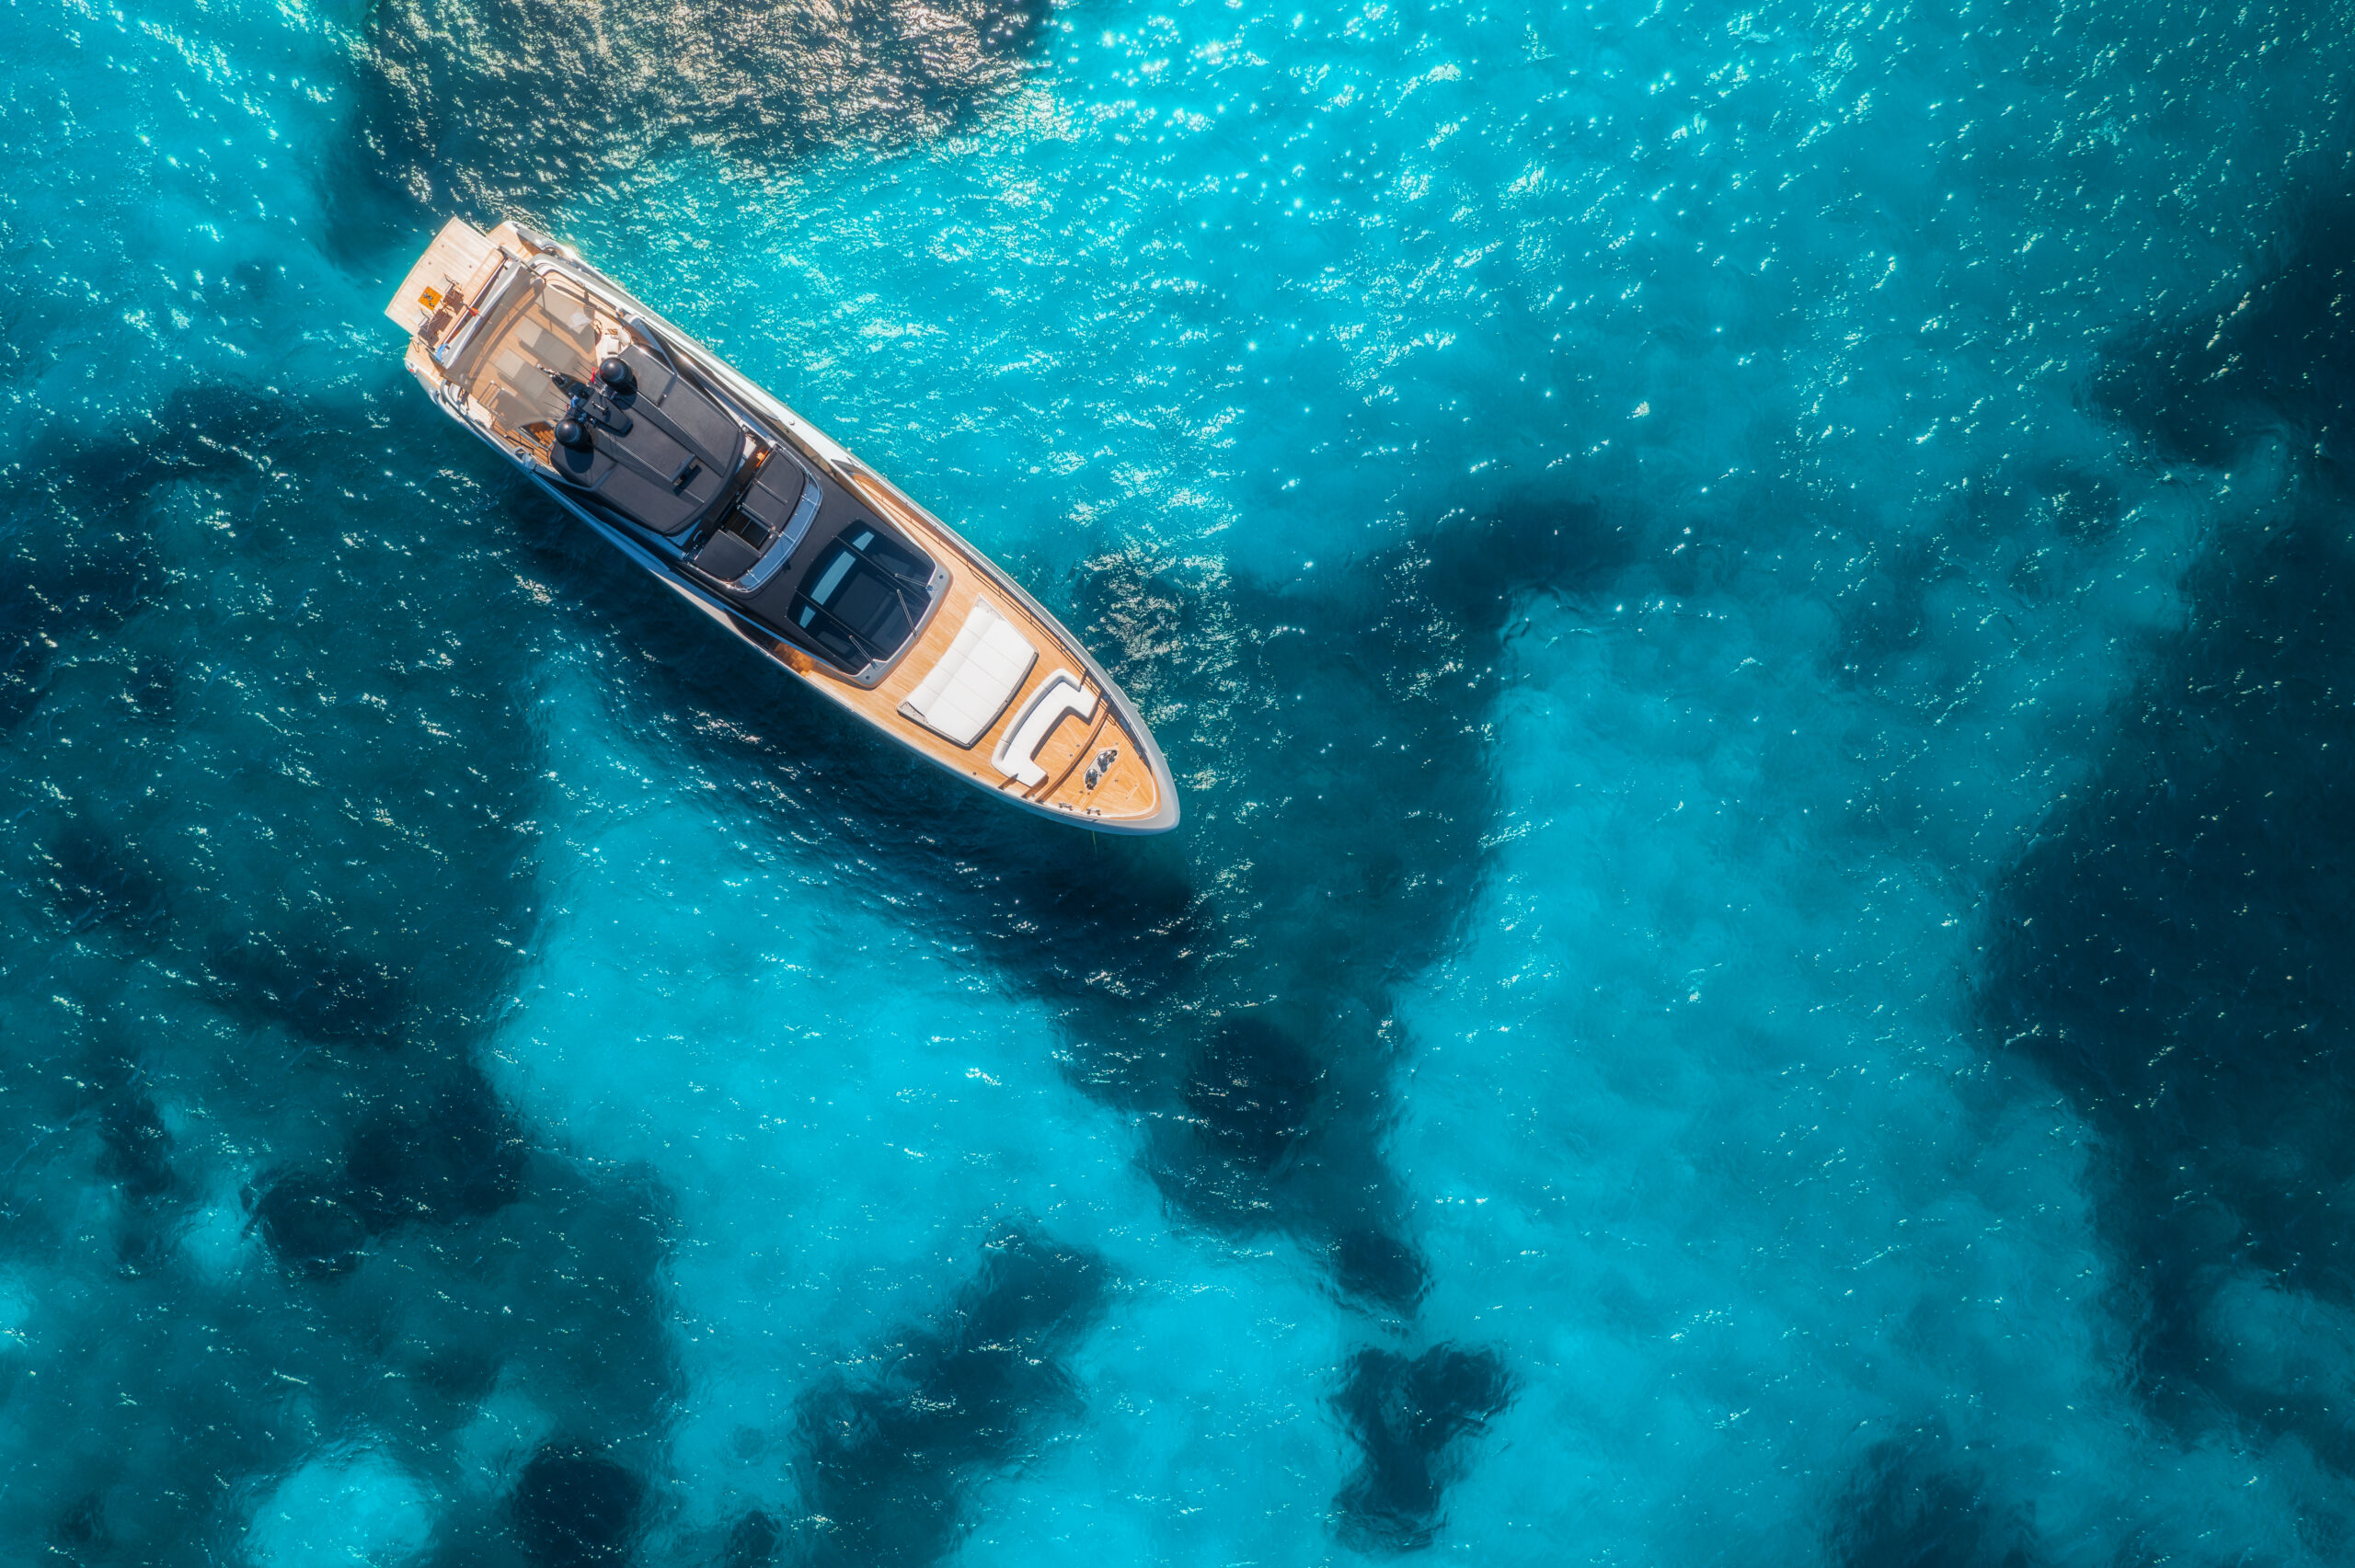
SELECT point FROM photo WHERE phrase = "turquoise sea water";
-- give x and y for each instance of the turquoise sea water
(1752, 608)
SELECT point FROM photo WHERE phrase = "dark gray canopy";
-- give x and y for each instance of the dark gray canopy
(661, 453)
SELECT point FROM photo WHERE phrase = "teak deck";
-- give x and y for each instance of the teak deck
(1127, 790)
(1131, 792)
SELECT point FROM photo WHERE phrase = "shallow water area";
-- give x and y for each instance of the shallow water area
(1747, 608)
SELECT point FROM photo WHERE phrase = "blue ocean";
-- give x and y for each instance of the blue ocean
(1753, 610)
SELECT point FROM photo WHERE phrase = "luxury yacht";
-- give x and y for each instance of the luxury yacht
(751, 514)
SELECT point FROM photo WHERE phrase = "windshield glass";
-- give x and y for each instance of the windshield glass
(864, 596)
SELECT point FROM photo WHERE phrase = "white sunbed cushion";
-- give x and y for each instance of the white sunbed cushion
(985, 665)
(1059, 694)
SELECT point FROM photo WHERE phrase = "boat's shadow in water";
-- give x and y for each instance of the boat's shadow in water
(1232, 986)
(330, 859)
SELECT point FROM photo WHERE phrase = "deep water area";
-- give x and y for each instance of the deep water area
(1755, 613)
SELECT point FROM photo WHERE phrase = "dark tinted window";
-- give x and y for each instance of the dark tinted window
(828, 635)
(863, 597)
(874, 607)
(834, 570)
(884, 551)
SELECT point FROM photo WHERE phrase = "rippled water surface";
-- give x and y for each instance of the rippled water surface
(1753, 610)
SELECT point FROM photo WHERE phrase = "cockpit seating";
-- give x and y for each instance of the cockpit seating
(1060, 693)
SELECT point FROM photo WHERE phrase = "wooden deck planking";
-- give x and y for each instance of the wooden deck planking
(1058, 777)
(1129, 791)
(455, 252)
